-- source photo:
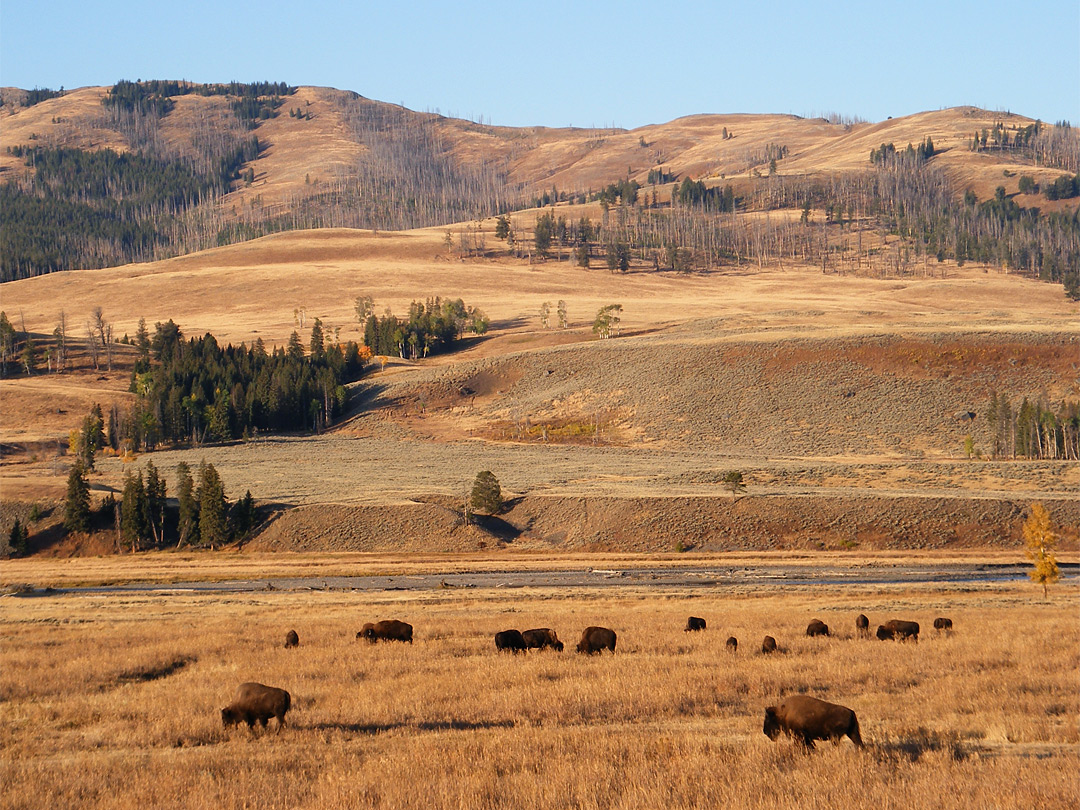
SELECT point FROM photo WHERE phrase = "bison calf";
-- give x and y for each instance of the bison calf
(943, 624)
(509, 640)
(256, 702)
(817, 628)
(596, 639)
(732, 644)
(387, 630)
(291, 639)
(694, 623)
(862, 626)
(768, 645)
(899, 630)
(542, 637)
(808, 719)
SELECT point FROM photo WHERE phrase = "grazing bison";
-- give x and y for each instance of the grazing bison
(291, 639)
(596, 639)
(942, 623)
(732, 644)
(256, 702)
(542, 637)
(862, 626)
(509, 640)
(817, 628)
(694, 623)
(808, 719)
(387, 630)
(768, 645)
(898, 629)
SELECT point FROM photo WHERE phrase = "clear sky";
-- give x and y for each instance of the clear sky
(578, 63)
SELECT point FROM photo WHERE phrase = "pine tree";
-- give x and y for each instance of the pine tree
(1041, 541)
(188, 527)
(317, 340)
(155, 502)
(77, 500)
(486, 495)
(133, 511)
(19, 538)
(733, 480)
(213, 526)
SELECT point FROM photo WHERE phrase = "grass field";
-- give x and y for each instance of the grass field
(112, 700)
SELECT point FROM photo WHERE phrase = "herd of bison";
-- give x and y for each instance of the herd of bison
(803, 717)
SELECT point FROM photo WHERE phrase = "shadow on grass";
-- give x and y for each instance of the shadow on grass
(380, 728)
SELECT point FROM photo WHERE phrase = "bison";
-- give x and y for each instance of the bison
(596, 639)
(256, 702)
(694, 623)
(768, 645)
(732, 644)
(509, 640)
(291, 639)
(807, 719)
(862, 626)
(942, 623)
(817, 628)
(387, 630)
(542, 637)
(898, 629)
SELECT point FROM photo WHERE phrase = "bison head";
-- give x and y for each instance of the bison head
(558, 646)
(230, 716)
(772, 725)
(883, 632)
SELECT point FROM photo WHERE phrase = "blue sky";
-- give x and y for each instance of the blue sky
(576, 63)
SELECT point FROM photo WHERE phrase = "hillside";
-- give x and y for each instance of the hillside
(832, 393)
(301, 153)
(834, 331)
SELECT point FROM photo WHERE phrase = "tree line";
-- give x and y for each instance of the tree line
(143, 518)
(95, 209)
(1033, 429)
(433, 326)
(196, 390)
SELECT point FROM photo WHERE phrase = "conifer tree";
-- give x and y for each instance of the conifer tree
(188, 524)
(486, 495)
(213, 525)
(77, 500)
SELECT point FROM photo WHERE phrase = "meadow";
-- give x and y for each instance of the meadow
(112, 699)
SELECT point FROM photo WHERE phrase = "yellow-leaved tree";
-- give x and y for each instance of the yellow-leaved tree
(1041, 540)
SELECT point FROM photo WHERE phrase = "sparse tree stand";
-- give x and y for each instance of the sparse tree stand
(1040, 538)
(486, 495)
(733, 480)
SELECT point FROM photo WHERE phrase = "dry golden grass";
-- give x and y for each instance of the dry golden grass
(112, 701)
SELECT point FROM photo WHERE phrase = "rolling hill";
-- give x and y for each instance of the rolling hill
(851, 398)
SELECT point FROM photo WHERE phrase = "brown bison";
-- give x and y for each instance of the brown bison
(596, 639)
(542, 637)
(862, 626)
(509, 640)
(768, 645)
(817, 628)
(256, 702)
(291, 639)
(387, 630)
(694, 623)
(732, 644)
(808, 719)
(899, 630)
(942, 623)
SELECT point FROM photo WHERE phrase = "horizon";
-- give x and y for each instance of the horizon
(603, 66)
